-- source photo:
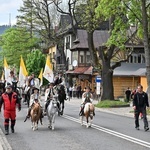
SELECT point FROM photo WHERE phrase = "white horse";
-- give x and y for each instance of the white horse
(89, 112)
(51, 112)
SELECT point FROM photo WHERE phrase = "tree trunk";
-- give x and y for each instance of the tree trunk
(107, 82)
(93, 51)
(146, 42)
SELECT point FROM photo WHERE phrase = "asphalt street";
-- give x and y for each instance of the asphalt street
(125, 111)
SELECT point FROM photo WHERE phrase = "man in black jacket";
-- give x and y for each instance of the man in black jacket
(140, 102)
(59, 79)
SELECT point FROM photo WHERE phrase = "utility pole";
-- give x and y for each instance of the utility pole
(10, 19)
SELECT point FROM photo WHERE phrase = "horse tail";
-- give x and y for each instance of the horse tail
(89, 109)
(26, 119)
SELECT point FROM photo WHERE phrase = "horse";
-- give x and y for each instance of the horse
(61, 98)
(26, 95)
(2, 88)
(16, 89)
(35, 115)
(89, 112)
(51, 112)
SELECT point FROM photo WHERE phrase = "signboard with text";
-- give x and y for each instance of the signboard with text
(98, 84)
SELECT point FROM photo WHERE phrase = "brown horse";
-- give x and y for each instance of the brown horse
(89, 112)
(35, 115)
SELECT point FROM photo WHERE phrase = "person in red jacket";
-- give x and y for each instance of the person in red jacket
(9, 100)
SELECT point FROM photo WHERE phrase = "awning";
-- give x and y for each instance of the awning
(89, 70)
(80, 70)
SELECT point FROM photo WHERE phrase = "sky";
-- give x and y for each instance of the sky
(8, 11)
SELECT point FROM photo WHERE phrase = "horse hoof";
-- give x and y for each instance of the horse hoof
(50, 127)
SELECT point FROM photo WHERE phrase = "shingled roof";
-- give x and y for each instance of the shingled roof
(100, 38)
(130, 69)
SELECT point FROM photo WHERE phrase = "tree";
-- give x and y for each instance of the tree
(35, 61)
(136, 13)
(39, 17)
(16, 42)
(102, 58)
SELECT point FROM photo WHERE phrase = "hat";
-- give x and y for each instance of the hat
(87, 87)
(9, 86)
(35, 88)
(51, 84)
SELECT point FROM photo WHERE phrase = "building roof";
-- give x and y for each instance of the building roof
(130, 69)
(89, 70)
(80, 70)
(100, 38)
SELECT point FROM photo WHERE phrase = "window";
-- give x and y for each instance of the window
(137, 58)
(75, 55)
(88, 57)
(68, 42)
(81, 57)
(142, 58)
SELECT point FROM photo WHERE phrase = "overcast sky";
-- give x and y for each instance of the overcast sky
(8, 9)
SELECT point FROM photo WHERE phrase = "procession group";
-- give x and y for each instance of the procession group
(11, 97)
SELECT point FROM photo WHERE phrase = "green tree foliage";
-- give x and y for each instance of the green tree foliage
(35, 61)
(16, 42)
(39, 17)
(122, 15)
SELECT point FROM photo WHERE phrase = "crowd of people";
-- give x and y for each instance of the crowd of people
(11, 100)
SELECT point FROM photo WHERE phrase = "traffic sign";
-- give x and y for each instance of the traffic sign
(98, 79)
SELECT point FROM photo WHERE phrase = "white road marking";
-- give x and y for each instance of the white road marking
(117, 134)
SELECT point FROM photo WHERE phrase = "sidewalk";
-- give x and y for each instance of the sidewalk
(122, 111)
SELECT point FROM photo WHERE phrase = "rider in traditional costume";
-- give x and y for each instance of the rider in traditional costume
(49, 93)
(11, 78)
(87, 97)
(35, 98)
(59, 80)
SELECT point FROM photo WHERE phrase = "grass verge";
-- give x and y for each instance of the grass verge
(111, 103)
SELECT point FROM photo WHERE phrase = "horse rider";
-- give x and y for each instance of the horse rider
(59, 79)
(11, 78)
(87, 97)
(2, 87)
(31, 80)
(10, 100)
(49, 93)
(35, 98)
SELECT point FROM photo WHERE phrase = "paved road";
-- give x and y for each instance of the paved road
(73, 132)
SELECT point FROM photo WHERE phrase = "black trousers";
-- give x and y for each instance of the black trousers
(137, 113)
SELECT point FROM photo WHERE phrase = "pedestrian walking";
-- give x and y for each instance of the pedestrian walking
(10, 100)
(128, 94)
(70, 91)
(140, 102)
(79, 92)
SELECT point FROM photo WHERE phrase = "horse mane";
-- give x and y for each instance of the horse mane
(35, 112)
